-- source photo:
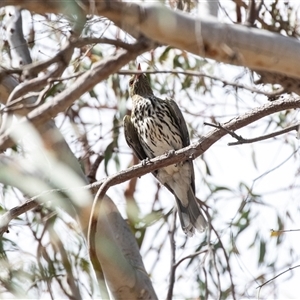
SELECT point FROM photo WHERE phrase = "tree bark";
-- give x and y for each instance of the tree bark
(233, 44)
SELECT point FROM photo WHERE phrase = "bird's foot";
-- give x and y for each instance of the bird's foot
(170, 153)
(145, 161)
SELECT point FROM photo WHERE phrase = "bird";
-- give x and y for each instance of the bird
(156, 127)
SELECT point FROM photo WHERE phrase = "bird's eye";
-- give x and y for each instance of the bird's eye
(131, 82)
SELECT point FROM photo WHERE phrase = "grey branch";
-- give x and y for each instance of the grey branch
(254, 48)
(241, 140)
(202, 74)
(84, 83)
(268, 281)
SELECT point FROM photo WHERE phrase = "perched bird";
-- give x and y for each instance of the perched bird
(154, 128)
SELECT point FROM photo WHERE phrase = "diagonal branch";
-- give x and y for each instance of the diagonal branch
(194, 150)
(242, 140)
(83, 84)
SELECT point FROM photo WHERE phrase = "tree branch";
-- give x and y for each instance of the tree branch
(14, 213)
(202, 74)
(234, 44)
(84, 83)
(242, 140)
(268, 281)
(191, 151)
(194, 150)
(173, 257)
(31, 70)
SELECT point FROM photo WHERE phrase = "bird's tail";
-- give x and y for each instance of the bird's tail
(191, 217)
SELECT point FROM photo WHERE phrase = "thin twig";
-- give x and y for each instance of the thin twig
(11, 106)
(56, 240)
(242, 140)
(36, 68)
(201, 74)
(230, 132)
(267, 136)
(101, 70)
(14, 213)
(268, 281)
(219, 287)
(190, 256)
(92, 173)
(227, 261)
(173, 257)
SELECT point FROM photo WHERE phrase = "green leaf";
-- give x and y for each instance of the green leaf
(108, 155)
(93, 94)
(165, 54)
(262, 252)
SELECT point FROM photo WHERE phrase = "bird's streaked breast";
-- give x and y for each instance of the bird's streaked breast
(157, 128)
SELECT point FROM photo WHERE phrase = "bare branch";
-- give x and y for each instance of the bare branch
(190, 256)
(202, 74)
(227, 262)
(14, 213)
(242, 140)
(119, 255)
(11, 106)
(173, 257)
(19, 49)
(193, 150)
(253, 12)
(268, 281)
(84, 83)
(31, 70)
(254, 48)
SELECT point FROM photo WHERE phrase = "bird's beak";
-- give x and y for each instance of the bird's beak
(139, 69)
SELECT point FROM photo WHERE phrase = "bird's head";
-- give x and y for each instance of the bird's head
(139, 85)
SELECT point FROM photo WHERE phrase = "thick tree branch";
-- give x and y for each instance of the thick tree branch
(234, 44)
(19, 49)
(117, 250)
(193, 151)
(198, 148)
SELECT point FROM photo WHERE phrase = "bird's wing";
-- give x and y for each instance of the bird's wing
(132, 138)
(184, 133)
(134, 143)
(181, 122)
